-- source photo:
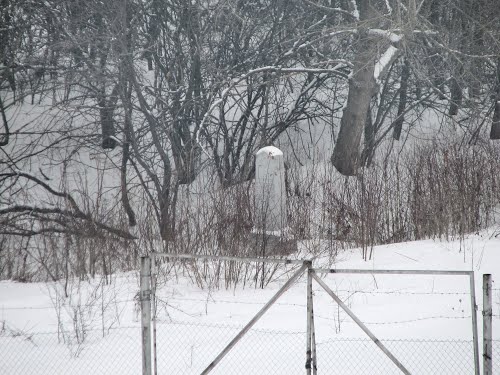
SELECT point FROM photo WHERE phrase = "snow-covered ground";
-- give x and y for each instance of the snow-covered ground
(424, 320)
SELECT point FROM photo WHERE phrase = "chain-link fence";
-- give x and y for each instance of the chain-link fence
(185, 348)
(188, 348)
(496, 356)
(362, 356)
(114, 351)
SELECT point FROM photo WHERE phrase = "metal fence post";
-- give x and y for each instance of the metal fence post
(487, 326)
(313, 357)
(309, 322)
(145, 296)
(153, 308)
(474, 323)
(313, 339)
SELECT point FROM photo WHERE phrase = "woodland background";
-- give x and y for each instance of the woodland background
(131, 125)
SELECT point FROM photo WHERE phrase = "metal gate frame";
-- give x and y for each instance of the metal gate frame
(305, 264)
(314, 273)
(148, 292)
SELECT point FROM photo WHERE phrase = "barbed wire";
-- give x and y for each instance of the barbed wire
(322, 316)
(352, 292)
(259, 330)
(407, 293)
(166, 322)
(236, 302)
(212, 300)
(205, 300)
(396, 321)
(363, 339)
(186, 347)
(229, 326)
(14, 332)
(62, 305)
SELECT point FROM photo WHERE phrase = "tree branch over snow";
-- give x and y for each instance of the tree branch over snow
(387, 34)
(336, 70)
(50, 213)
(43, 184)
(384, 63)
(64, 226)
(352, 16)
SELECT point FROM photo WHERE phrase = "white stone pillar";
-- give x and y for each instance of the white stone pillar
(270, 192)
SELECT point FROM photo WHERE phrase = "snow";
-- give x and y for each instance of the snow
(116, 140)
(355, 11)
(270, 150)
(383, 63)
(429, 313)
(391, 36)
(389, 8)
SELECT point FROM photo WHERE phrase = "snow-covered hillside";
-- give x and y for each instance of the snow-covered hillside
(425, 321)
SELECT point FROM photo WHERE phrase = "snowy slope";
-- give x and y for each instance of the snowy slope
(430, 314)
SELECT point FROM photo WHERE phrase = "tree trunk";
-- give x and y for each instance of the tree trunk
(456, 97)
(4, 138)
(132, 221)
(346, 152)
(495, 125)
(369, 148)
(403, 91)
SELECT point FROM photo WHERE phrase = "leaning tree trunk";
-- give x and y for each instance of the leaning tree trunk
(369, 149)
(347, 149)
(403, 99)
(495, 125)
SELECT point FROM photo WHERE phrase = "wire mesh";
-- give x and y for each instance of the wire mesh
(362, 356)
(185, 348)
(188, 348)
(63, 353)
(495, 354)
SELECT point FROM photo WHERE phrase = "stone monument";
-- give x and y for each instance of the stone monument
(270, 192)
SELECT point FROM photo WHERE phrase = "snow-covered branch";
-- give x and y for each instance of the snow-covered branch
(354, 15)
(336, 70)
(387, 34)
(384, 63)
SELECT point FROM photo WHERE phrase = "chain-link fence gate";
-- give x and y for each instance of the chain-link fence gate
(190, 348)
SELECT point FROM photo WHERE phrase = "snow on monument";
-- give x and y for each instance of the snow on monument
(270, 193)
